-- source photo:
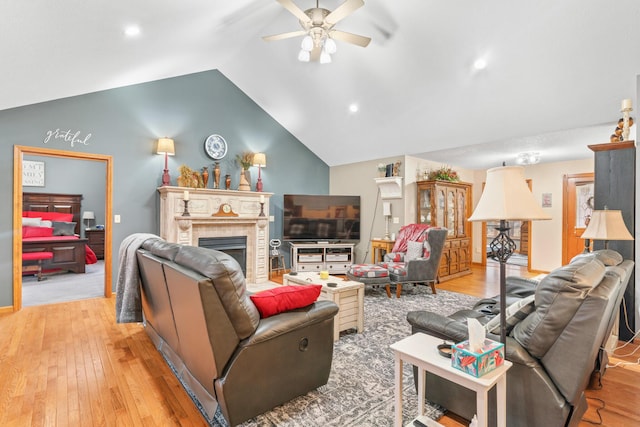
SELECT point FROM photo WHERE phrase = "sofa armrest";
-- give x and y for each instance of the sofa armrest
(288, 321)
(437, 325)
(393, 257)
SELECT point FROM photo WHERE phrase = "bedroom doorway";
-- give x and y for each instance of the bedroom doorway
(19, 153)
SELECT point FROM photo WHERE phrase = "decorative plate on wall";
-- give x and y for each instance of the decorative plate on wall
(215, 146)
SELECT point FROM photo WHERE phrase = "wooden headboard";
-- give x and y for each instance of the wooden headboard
(50, 202)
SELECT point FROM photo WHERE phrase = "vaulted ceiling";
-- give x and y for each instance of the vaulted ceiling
(555, 77)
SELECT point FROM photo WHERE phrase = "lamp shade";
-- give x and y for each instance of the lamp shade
(165, 146)
(607, 225)
(259, 159)
(88, 215)
(506, 196)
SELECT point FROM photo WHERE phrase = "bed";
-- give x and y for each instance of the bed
(51, 223)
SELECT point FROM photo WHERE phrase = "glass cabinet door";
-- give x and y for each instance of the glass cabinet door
(440, 202)
(451, 212)
(424, 210)
(461, 214)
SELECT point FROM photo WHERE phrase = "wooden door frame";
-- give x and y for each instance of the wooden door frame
(484, 236)
(586, 176)
(18, 154)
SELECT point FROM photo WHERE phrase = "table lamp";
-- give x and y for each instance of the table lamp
(88, 216)
(259, 160)
(606, 225)
(506, 197)
(165, 146)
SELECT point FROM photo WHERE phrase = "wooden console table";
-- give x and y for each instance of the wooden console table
(379, 247)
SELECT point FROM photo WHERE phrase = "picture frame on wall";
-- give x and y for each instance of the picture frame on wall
(32, 173)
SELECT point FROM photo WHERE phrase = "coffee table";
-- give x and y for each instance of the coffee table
(348, 295)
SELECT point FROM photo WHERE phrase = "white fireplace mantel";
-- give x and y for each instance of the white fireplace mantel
(202, 222)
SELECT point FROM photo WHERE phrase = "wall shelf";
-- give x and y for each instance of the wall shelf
(390, 187)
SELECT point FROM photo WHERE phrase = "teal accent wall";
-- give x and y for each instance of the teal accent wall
(125, 123)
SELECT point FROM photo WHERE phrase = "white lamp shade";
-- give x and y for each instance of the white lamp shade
(165, 146)
(386, 209)
(607, 225)
(304, 56)
(259, 159)
(88, 215)
(506, 196)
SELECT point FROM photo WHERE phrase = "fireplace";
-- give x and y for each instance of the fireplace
(207, 221)
(235, 246)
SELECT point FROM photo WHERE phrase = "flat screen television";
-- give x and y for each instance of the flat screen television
(321, 218)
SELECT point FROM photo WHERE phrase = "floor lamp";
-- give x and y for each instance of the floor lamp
(506, 197)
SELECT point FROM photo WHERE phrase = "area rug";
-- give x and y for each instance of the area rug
(360, 388)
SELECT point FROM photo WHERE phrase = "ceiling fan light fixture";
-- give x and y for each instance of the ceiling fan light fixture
(304, 56)
(330, 46)
(307, 43)
(325, 58)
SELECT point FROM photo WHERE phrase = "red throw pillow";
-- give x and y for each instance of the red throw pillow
(28, 231)
(285, 298)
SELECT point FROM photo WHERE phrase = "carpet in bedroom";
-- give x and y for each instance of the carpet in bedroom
(62, 287)
(360, 388)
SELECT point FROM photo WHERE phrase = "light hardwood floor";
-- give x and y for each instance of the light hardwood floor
(70, 364)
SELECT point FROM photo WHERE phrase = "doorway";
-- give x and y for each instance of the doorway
(577, 206)
(18, 155)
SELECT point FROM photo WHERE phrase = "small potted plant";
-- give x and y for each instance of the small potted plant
(382, 170)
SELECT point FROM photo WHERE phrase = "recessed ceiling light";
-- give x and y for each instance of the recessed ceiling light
(353, 108)
(480, 64)
(132, 31)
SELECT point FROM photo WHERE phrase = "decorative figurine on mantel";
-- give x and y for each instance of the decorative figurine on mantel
(216, 175)
(205, 176)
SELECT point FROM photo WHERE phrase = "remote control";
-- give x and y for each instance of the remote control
(419, 423)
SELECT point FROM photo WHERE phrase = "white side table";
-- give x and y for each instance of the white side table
(421, 351)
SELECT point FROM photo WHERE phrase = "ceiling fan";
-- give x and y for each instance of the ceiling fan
(319, 35)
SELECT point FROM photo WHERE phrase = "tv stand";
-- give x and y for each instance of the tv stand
(336, 258)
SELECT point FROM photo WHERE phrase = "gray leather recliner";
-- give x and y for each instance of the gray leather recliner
(198, 313)
(553, 350)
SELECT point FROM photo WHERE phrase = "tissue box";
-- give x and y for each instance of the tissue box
(477, 364)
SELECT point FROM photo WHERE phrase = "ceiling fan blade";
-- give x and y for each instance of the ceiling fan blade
(343, 36)
(284, 36)
(291, 7)
(343, 11)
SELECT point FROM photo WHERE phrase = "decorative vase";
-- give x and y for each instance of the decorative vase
(227, 181)
(245, 180)
(205, 176)
(216, 176)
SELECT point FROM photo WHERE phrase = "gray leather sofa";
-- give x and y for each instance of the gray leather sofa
(554, 349)
(199, 315)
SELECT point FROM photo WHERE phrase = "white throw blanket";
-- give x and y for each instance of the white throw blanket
(128, 295)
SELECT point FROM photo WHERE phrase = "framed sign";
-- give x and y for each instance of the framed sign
(32, 173)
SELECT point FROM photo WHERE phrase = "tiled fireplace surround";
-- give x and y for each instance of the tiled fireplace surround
(202, 222)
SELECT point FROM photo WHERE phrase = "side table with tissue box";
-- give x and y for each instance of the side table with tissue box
(421, 350)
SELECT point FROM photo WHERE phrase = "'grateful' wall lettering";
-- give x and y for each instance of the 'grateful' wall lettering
(67, 136)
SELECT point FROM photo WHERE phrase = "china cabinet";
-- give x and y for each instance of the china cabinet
(448, 204)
